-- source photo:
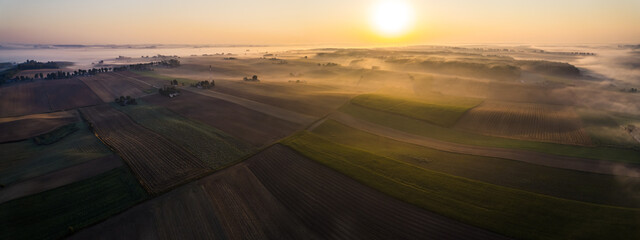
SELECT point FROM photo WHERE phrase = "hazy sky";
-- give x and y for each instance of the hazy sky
(320, 21)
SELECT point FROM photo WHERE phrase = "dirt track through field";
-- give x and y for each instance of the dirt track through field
(579, 164)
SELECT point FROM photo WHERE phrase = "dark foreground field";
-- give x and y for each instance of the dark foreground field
(278, 194)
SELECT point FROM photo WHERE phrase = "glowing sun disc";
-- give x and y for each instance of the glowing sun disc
(391, 18)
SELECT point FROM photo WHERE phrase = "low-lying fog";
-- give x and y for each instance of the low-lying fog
(599, 77)
(593, 76)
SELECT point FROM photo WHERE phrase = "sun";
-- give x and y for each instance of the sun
(391, 18)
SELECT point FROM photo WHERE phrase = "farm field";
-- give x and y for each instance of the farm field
(608, 129)
(246, 208)
(153, 78)
(60, 178)
(184, 212)
(281, 113)
(245, 124)
(210, 145)
(61, 211)
(575, 185)
(501, 209)
(158, 163)
(65, 94)
(44, 96)
(527, 121)
(279, 194)
(25, 159)
(23, 99)
(443, 112)
(335, 206)
(108, 86)
(300, 98)
(20, 128)
(422, 128)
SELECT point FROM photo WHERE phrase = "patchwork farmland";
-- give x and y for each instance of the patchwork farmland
(320, 144)
(109, 86)
(248, 125)
(24, 160)
(210, 145)
(158, 163)
(278, 194)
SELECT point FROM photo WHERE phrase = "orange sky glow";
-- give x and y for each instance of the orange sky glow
(315, 22)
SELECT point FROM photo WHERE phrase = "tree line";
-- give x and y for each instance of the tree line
(9, 75)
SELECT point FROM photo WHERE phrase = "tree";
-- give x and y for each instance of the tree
(254, 78)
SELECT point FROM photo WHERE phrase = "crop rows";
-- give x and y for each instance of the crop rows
(528, 121)
(60, 211)
(109, 86)
(149, 80)
(246, 124)
(157, 162)
(335, 206)
(45, 96)
(22, 99)
(210, 145)
(248, 210)
(278, 194)
(70, 93)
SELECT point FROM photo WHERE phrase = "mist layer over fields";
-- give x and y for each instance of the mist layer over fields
(597, 77)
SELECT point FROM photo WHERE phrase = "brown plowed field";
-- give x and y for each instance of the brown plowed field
(149, 80)
(19, 128)
(336, 206)
(249, 125)
(23, 99)
(157, 162)
(108, 86)
(527, 121)
(65, 94)
(247, 210)
(301, 98)
(184, 213)
(45, 96)
(278, 194)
